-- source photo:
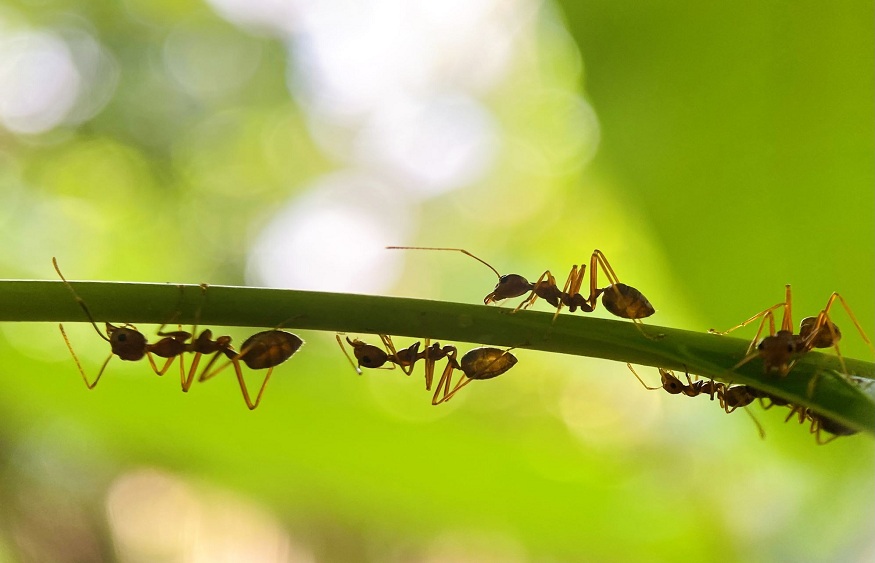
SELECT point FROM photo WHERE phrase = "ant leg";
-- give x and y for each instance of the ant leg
(187, 383)
(357, 369)
(787, 320)
(79, 365)
(429, 365)
(816, 428)
(393, 353)
(466, 379)
(445, 382)
(759, 426)
(598, 259)
(571, 287)
(243, 389)
(638, 377)
(760, 315)
(206, 375)
(639, 324)
(167, 364)
(850, 313)
(533, 296)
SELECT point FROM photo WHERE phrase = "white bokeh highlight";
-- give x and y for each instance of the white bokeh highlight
(333, 238)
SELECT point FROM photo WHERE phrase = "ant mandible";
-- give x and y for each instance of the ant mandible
(619, 299)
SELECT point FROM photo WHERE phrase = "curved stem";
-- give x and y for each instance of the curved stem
(702, 354)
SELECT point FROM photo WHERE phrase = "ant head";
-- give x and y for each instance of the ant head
(126, 341)
(368, 356)
(777, 350)
(508, 286)
(670, 383)
(824, 336)
(486, 362)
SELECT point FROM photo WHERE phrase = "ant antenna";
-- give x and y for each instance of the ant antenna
(463, 251)
(78, 299)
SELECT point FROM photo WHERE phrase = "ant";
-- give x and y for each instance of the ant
(780, 350)
(478, 363)
(618, 298)
(731, 397)
(263, 350)
(127, 342)
(373, 357)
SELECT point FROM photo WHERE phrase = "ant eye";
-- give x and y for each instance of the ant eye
(789, 348)
(122, 337)
(761, 345)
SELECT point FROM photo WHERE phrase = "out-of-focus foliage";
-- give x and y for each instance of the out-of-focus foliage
(713, 153)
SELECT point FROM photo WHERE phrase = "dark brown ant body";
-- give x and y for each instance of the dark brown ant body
(618, 298)
(263, 350)
(476, 364)
(730, 397)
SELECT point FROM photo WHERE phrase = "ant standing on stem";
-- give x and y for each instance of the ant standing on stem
(780, 350)
(618, 298)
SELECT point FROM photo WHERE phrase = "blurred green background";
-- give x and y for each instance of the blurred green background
(714, 153)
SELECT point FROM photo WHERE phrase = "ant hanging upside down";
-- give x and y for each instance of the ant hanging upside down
(730, 397)
(480, 363)
(619, 299)
(263, 350)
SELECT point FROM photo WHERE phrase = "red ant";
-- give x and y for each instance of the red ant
(478, 363)
(263, 350)
(780, 350)
(731, 397)
(618, 298)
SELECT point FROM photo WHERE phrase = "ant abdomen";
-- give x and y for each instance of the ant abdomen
(269, 348)
(486, 362)
(819, 337)
(626, 302)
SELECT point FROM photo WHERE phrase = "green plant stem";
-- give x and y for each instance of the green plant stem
(703, 354)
